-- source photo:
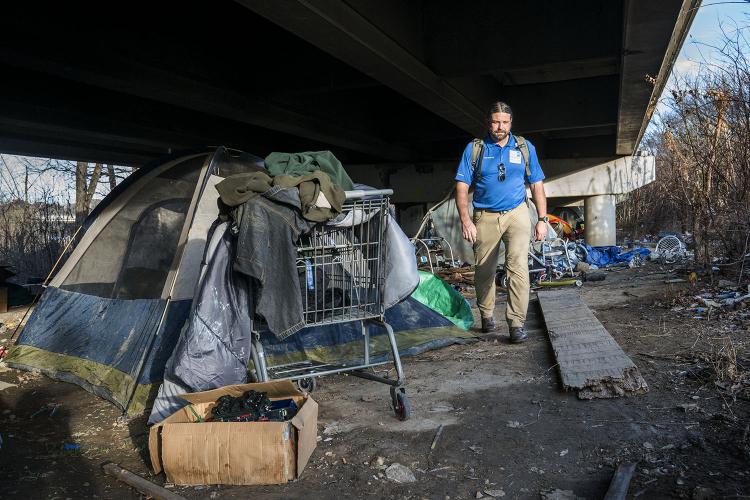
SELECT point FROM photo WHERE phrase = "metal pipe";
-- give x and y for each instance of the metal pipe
(363, 193)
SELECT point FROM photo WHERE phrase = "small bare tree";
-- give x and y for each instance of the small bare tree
(702, 147)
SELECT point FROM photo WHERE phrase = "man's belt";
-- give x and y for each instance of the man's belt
(493, 211)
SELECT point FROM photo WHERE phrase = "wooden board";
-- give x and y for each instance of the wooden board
(3, 300)
(589, 359)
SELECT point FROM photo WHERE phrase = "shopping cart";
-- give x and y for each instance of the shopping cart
(341, 270)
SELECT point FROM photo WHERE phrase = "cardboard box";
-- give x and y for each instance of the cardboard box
(239, 453)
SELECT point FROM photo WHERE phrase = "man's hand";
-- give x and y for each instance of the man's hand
(540, 232)
(469, 231)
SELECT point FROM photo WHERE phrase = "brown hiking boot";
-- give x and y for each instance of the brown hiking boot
(488, 325)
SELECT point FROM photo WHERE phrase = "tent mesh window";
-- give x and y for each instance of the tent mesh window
(131, 257)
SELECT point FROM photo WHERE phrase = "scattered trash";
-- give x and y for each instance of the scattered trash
(570, 282)
(40, 410)
(582, 267)
(648, 445)
(557, 494)
(725, 301)
(688, 406)
(495, 493)
(437, 437)
(701, 493)
(400, 474)
(564, 452)
(708, 302)
(6, 385)
(71, 447)
(514, 424)
(442, 408)
(3, 351)
(332, 428)
(476, 449)
(49, 407)
(537, 470)
(147, 488)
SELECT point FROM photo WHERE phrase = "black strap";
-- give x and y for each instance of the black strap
(477, 154)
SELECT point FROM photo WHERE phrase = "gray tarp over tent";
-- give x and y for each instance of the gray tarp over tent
(111, 317)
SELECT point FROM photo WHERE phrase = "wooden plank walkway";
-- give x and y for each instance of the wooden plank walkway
(589, 359)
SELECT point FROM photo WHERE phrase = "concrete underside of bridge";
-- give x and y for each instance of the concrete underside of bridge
(394, 88)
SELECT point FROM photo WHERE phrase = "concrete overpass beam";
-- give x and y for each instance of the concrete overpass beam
(618, 176)
(600, 220)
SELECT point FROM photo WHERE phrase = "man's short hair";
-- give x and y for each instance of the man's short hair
(498, 107)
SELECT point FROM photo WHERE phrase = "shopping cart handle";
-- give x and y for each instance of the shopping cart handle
(363, 193)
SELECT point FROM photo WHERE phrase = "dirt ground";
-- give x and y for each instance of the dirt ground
(509, 429)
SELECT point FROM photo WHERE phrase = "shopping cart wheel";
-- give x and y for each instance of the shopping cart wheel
(501, 279)
(401, 404)
(307, 384)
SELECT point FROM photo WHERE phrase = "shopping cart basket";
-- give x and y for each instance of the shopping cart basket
(341, 270)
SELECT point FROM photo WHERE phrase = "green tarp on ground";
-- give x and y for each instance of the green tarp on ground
(443, 298)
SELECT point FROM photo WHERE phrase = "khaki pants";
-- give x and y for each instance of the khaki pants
(514, 229)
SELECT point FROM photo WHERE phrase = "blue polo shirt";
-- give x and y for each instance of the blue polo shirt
(489, 192)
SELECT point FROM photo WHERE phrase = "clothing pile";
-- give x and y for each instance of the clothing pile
(269, 211)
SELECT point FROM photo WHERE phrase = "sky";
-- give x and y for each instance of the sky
(714, 18)
(713, 15)
(40, 183)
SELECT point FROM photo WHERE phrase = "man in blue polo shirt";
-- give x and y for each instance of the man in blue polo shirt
(501, 214)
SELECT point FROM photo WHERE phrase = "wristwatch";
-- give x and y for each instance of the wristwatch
(544, 219)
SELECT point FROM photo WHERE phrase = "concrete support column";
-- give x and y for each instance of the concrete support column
(600, 220)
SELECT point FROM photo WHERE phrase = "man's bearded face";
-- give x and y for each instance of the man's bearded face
(500, 126)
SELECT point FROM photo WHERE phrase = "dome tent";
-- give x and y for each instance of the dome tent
(111, 315)
(110, 318)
